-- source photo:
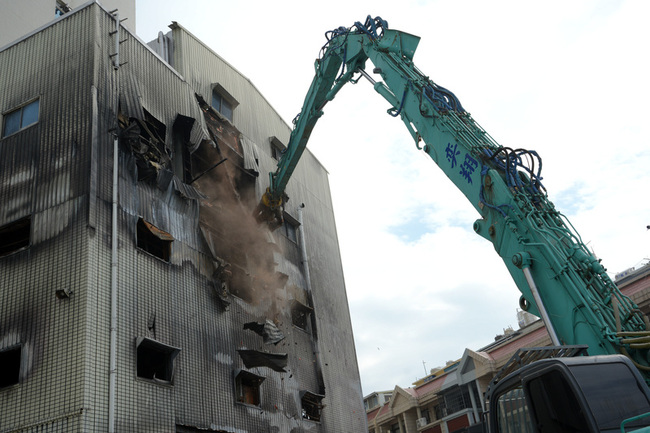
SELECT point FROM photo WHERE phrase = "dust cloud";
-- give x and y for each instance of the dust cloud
(227, 215)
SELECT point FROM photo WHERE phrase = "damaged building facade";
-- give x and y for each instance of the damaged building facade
(137, 291)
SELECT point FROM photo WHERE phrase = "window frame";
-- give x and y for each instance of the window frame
(164, 350)
(277, 148)
(149, 237)
(300, 314)
(315, 404)
(254, 381)
(20, 108)
(223, 96)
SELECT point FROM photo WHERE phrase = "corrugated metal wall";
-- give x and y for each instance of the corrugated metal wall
(256, 118)
(59, 171)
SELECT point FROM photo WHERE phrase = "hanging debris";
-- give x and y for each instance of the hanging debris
(255, 358)
(145, 138)
(267, 330)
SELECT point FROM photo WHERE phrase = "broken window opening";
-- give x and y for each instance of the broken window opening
(300, 315)
(154, 129)
(155, 360)
(277, 148)
(15, 236)
(247, 388)
(146, 141)
(223, 102)
(245, 184)
(20, 118)
(182, 161)
(311, 405)
(10, 366)
(153, 240)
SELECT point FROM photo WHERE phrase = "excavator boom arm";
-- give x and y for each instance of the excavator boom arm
(560, 280)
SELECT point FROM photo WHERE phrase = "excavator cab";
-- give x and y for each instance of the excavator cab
(570, 395)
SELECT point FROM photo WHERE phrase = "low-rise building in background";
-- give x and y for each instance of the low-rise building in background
(452, 398)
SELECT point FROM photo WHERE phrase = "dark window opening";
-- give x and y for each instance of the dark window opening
(10, 366)
(15, 236)
(311, 406)
(300, 314)
(20, 118)
(155, 360)
(222, 102)
(247, 388)
(153, 240)
(181, 162)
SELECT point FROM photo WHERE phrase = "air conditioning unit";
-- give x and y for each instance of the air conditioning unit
(421, 422)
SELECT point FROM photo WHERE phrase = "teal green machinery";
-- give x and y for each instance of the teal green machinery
(560, 280)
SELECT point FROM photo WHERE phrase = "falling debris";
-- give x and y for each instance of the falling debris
(267, 330)
(255, 358)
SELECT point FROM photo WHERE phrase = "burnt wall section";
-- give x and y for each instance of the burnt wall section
(207, 210)
(44, 171)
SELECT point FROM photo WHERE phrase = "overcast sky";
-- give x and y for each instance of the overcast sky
(568, 79)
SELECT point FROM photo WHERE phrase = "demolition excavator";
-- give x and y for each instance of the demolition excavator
(593, 378)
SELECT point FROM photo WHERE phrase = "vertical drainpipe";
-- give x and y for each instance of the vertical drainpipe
(305, 267)
(303, 248)
(113, 341)
(112, 380)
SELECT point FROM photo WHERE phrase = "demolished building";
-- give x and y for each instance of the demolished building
(137, 292)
